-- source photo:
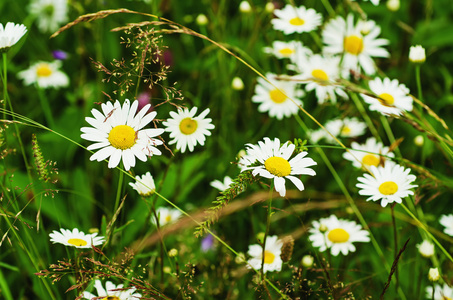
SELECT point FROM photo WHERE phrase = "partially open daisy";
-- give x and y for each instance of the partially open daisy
(272, 260)
(440, 292)
(187, 130)
(392, 97)
(369, 154)
(111, 292)
(447, 222)
(286, 49)
(10, 35)
(338, 235)
(221, 186)
(389, 184)
(166, 215)
(292, 19)
(76, 238)
(320, 73)
(45, 75)
(144, 185)
(275, 163)
(339, 128)
(50, 14)
(356, 43)
(277, 101)
(118, 133)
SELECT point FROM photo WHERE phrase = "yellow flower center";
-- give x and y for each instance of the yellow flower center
(168, 218)
(269, 257)
(188, 126)
(446, 298)
(278, 166)
(388, 188)
(338, 235)
(111, 298)
(122, 137)
(353, 44)
(296, 21)
(386, 99)
(370, 160)
(77, 242)
(277, 96)
(345, 130)
(286, 51)
(43, 70)
(320, 75)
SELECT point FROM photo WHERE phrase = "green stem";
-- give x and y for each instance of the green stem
(268, 225)
(419, 84)
(389, 133)
(45, 107)
(5, 83)
(5, 287)
(365, 116)
(118, 191)
(329, 8)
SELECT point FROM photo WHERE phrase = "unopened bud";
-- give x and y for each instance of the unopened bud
(307, 261)
(393, 5)
(433, 274)
(244, 7)
(202, 20)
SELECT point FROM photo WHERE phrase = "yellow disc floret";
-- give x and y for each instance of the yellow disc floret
(388, 188)
(338, 235)
(77, 242)
(188, 126)
(386, 99)
(319, 75)
(278, 166)
(353, 44)
(277, 96)
(269, 257)
(286, 51)
(296, 21)
(122, 137)
(370, 160)
(43, 70)
(111, 298)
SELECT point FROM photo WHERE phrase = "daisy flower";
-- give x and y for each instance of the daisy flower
(337, 234)
(274, 163)
(76, 238)
(277, 102)
(286, 49)
(392, 97)
(321, 72)
(51, 14)
(367, 156)
(118, 133)
(111, 292)
(272, 260)
(45, 75)
(440, 292)
(10, 35)
(187, 130)
(340, 128)
(166, 215)
(144, 185)
(447, 222)
(389, 184)
(221, 186)
(343, 37)
(292, 19)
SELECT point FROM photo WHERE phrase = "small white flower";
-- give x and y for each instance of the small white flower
(433, 274)
(222, 186)
(447, 222)
(417, 54)
(45, 75)
(287, 49)
(166, 215)
(368, 154)
(277, 102)
(244, 7)
(292, 19)
(307, 261)
(393, 5)
(338, 235)
(237, 84)
(426, 248)
(269, 7)
(440, 292)
(389, 184)
(392, 97)
(272, 260)
(51, 14)
(111, 292)
(10, 35)
(274, 163)
(144, 185)
(118, 133)
(186, 130)
(76, 238)
(201, 20)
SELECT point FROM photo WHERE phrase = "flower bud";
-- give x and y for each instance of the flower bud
(417, 54)
(244, 7)
(393, 5)
(237, 84)
(202, 20)
(307, 261)
(433, 274)
(419, 140)
(173, 252)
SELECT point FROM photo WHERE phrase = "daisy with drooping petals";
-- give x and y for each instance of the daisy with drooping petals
(440, 292)
(50, 14)
(187, 130)
(76, 238)
(389, 184)
(321, 72)
(166, 215)
(338, 235)
(10, 35)
(286, 49)
(118, 133)
(370, 154)
(447, 222)
(144, 185)
(112, 292)
(292, 19)
(222, 186)
(339, 128)
(277, 101)
(45, 75)
(392, 97)
(357, 43)
(275, 163)
(272, 260)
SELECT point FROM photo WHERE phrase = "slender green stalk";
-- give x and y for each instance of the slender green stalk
(268, 225)
(389, 133)
(5, 287)
(365, 116)
(328, 7)
(118, 191)
(419, 84)
(45, 107)
(5, 83)
(395, 242)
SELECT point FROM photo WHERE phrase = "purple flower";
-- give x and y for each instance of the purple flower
(59, 54)
(207, 243)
